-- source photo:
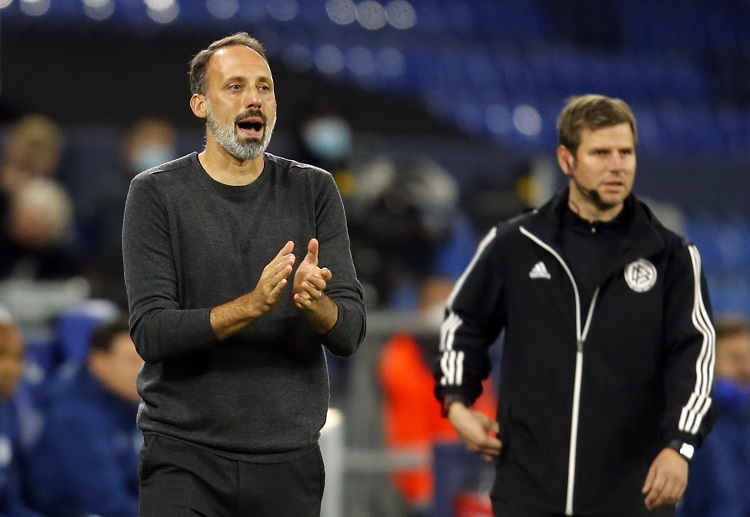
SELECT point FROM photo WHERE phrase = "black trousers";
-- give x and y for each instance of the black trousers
(177, 479)
(503, 514)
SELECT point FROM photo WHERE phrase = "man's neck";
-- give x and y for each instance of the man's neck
(592, 213)
(226, 169)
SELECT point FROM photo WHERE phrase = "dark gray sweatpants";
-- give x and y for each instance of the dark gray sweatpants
(177, 479)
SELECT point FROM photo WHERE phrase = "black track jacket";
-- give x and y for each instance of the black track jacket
(587, 399)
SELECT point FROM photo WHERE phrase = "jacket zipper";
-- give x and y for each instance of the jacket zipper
(581, 333)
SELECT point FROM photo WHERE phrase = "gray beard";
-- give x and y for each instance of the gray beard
(226, 137)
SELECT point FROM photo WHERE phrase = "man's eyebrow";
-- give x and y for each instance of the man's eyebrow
(608, 148)
(248, 79)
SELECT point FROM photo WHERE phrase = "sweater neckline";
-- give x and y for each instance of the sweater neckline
(232, 190)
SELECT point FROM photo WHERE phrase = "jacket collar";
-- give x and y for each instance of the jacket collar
(642, 236)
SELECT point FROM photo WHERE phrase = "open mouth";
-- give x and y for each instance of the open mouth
(251, 126)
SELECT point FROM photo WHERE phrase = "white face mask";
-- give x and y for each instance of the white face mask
(151, 155)
(328, 137)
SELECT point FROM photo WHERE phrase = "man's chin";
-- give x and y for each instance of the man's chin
(244, 139)
(247, 153)
(605, 203)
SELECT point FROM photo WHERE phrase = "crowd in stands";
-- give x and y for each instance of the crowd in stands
(68, 440)
(36, 212)
(68, 445)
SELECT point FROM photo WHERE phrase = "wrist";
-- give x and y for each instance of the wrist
(451, 399)
(684, 449)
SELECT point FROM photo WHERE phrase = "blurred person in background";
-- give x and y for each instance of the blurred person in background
(410, 237)
(32, 149)
(147, 142)
(405, 220)
(608, 344)
(85, 461)
(323, 137)
(239, 274)
(720, 472)
(36, 240)
(488, 200)
(412, 423)
(410, 241)
(12, 461)
(36, 212)
(150, 141)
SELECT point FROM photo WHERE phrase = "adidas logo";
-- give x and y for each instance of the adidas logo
(539, 271)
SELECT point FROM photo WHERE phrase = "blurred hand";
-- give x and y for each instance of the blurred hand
(477, 432)
(666, 479)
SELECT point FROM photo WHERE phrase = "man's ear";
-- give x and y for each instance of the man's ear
(198, 105)
(565, 160)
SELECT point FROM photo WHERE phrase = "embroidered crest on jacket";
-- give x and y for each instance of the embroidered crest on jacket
(640, 275)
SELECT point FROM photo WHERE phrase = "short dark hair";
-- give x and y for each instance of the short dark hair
(591, 111)
(105, 333)
(199, 63)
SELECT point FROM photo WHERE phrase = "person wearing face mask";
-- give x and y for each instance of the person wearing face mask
(720, 473)
(324, 137)
(147, 142)
(150, 141)
(328, 136)
(239, 276)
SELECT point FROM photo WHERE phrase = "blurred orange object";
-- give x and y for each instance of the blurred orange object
(472, 505)
(412, 415)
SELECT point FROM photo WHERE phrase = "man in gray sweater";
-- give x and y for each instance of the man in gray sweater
(238, 272)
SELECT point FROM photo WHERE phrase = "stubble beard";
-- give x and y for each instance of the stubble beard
(226, 136)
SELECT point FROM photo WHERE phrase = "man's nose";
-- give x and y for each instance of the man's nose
(617, 161)
(252, 98)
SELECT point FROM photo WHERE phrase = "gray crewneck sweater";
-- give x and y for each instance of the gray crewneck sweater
(190, 244)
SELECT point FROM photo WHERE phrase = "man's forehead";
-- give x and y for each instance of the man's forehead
(237, 55)
(607, 133)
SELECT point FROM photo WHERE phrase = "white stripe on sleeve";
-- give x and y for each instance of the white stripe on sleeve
(700, 400)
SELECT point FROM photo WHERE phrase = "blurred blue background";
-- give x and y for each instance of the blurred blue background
(475, 85)
(498, 69)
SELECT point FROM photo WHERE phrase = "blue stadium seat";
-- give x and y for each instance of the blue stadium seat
(74, 327)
